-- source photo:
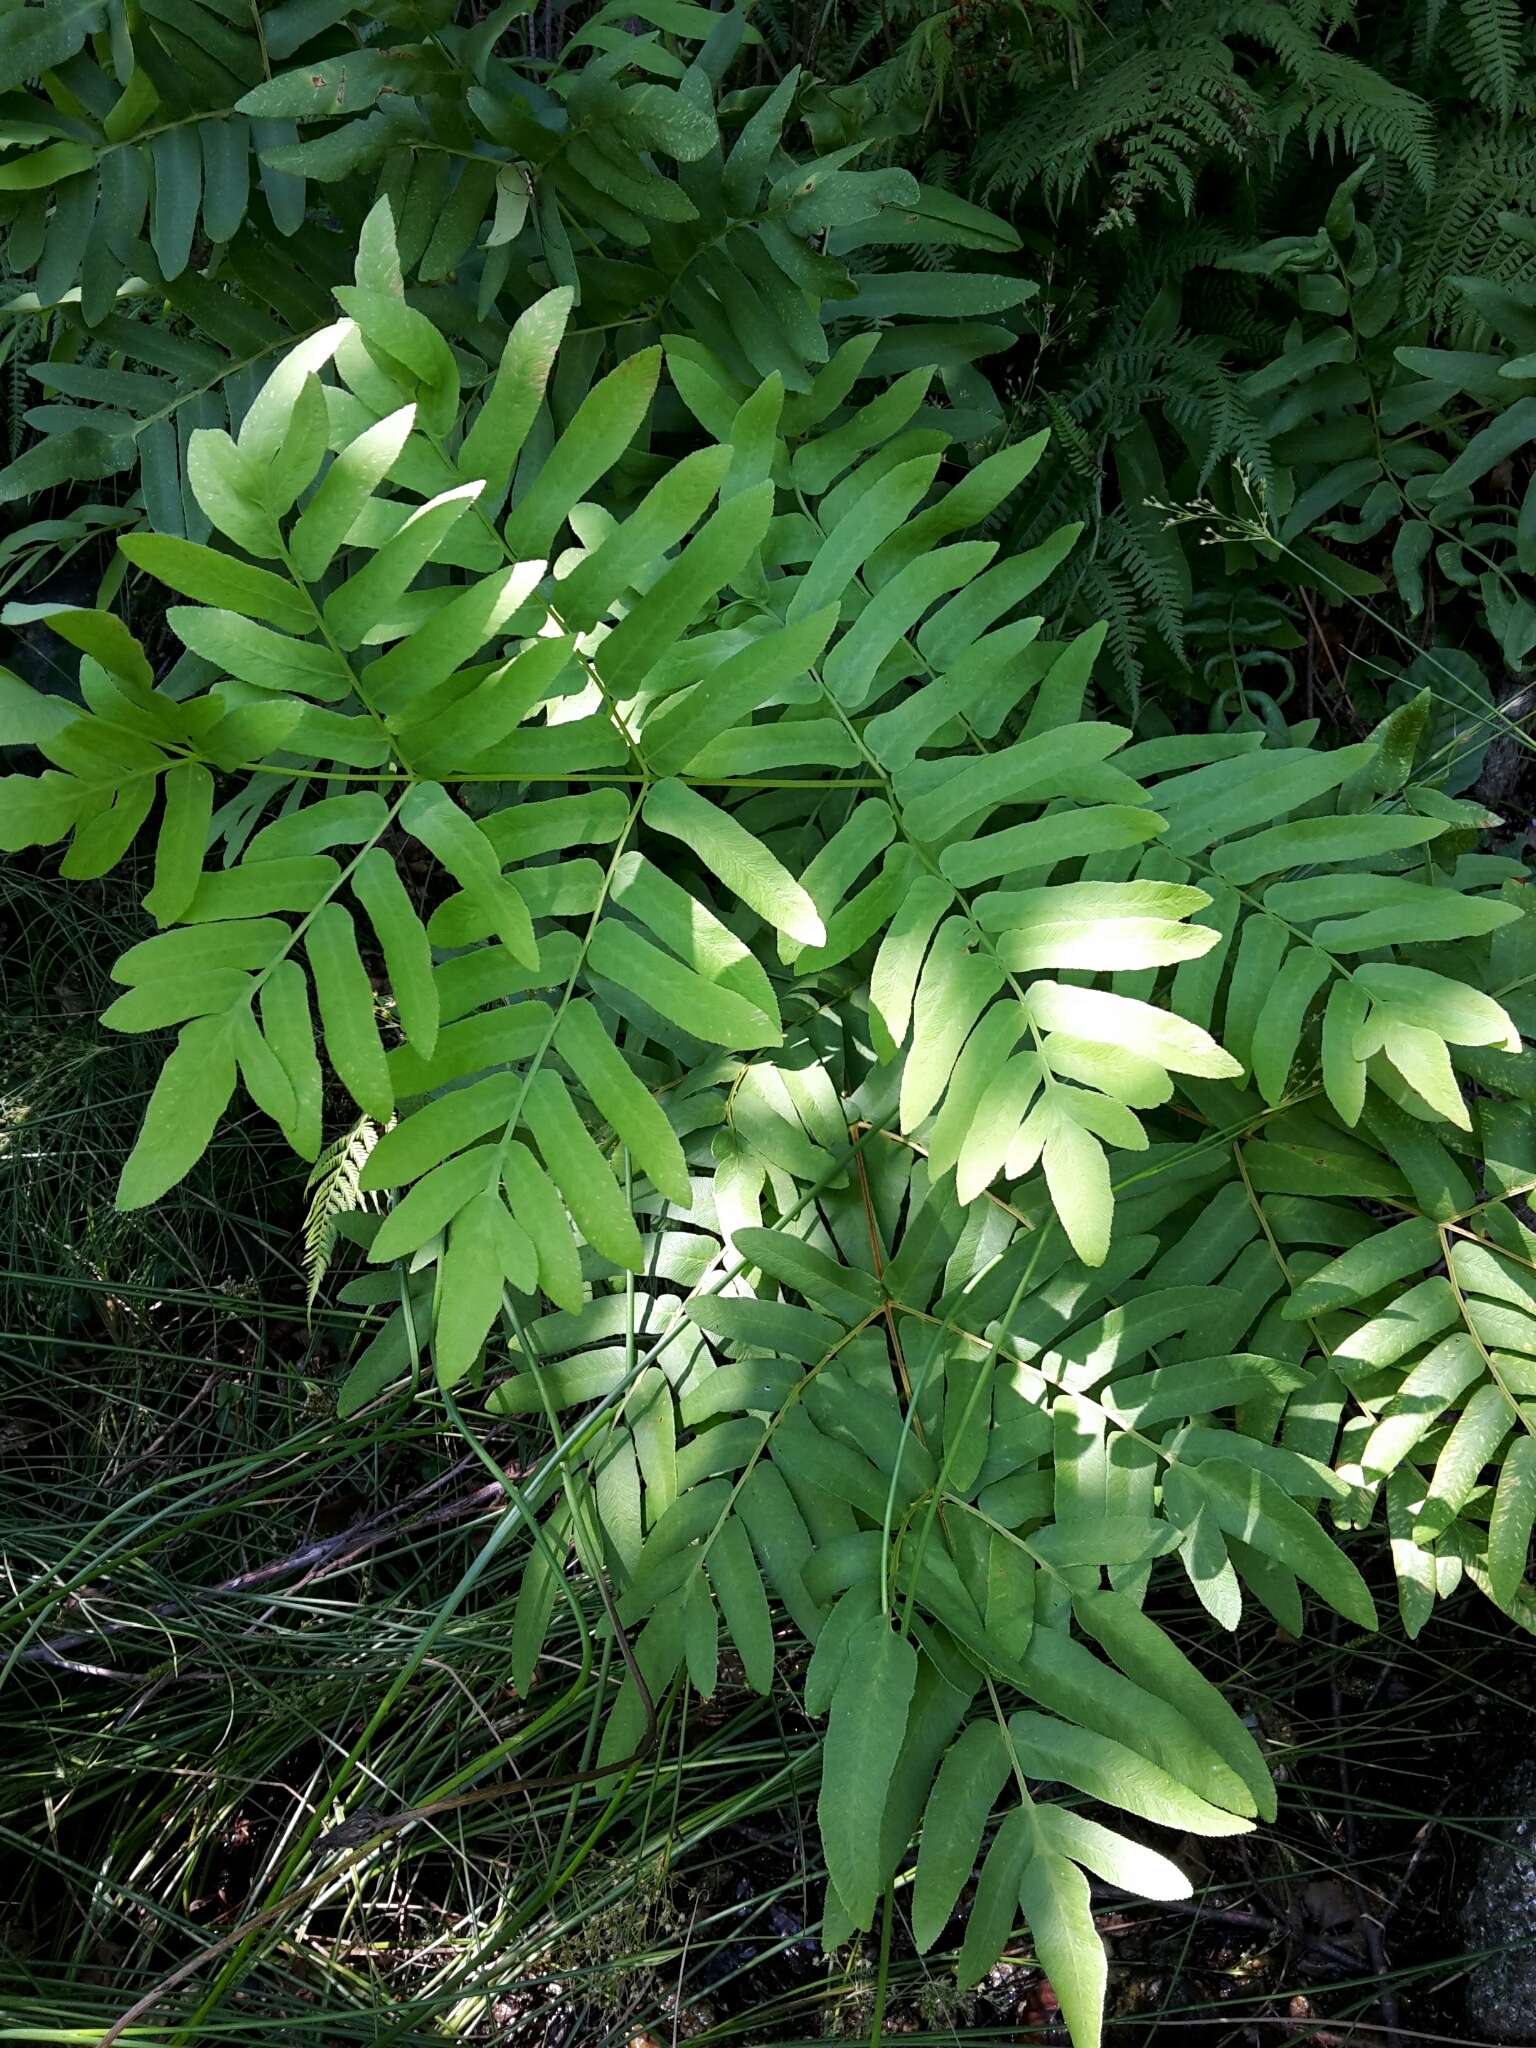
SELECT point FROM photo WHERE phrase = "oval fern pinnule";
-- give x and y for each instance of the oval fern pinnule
(996, 1906)
(740, 861)
(1253, 1509)
(346, 1002)
(536, 1207)
(1509, 1528)
(973, 1773)
(403, 939)
(605, 423)
(1130, 1866)
(738, 1588)
(1055, 1897)
(629, 1107)
(1104, 1769)
(266, 1081)
(290, 1031)
(182, 843)
(853, 1608)
(486, 1250)
(865, 1727)
(579, 1170)
(1077, 1174)
(430, 815)
(432, 1203)
(190, 1096)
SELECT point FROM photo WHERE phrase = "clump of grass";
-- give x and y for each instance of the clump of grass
(158, 1810)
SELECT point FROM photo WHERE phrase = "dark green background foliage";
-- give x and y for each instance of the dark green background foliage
(844, 792)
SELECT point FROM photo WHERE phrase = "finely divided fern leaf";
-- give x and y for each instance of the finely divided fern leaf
(334, 1190)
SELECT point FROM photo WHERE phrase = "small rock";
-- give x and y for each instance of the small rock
(1330, 1905)
(1499, 1913)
